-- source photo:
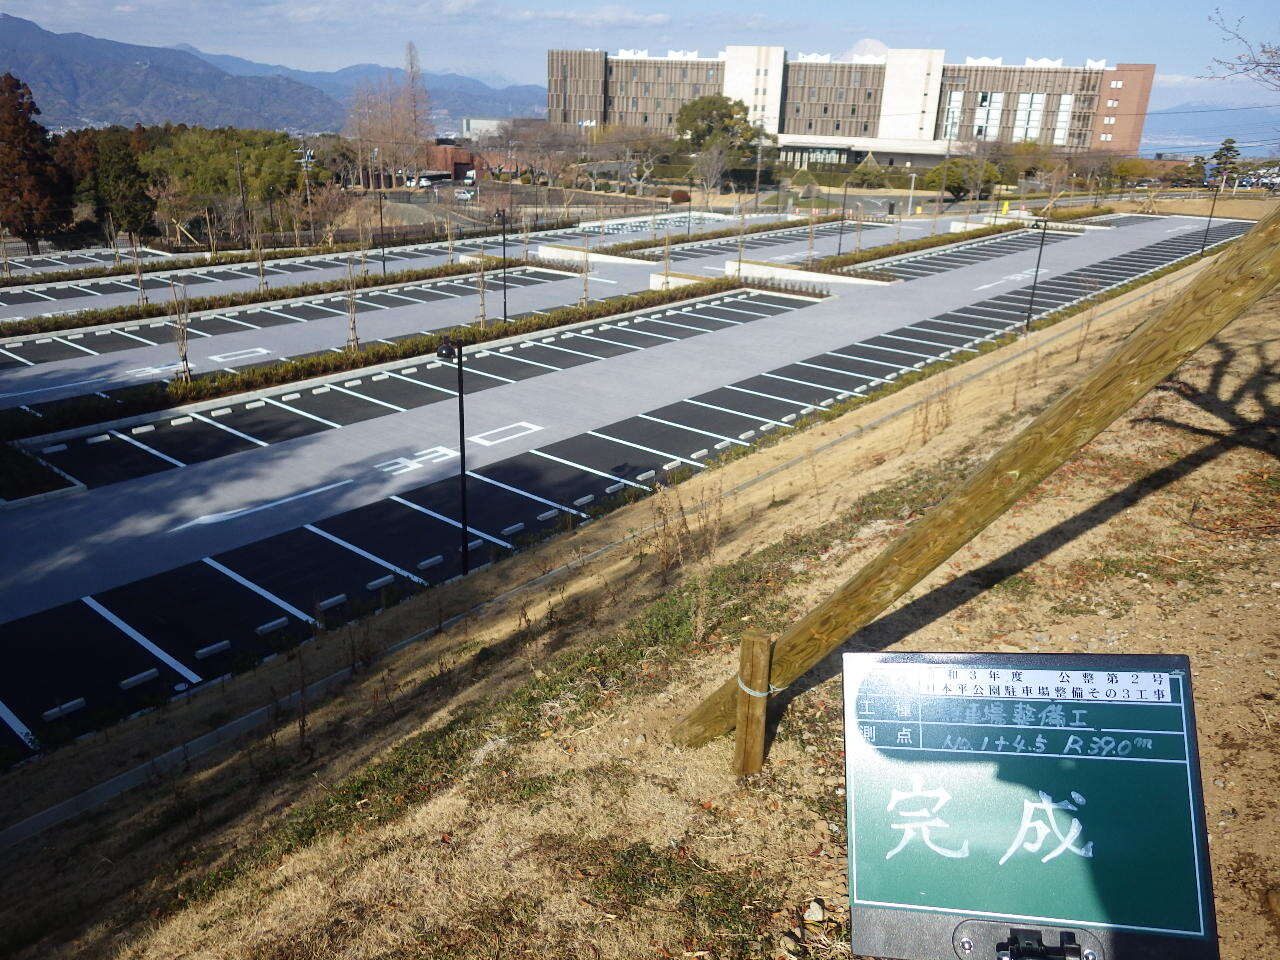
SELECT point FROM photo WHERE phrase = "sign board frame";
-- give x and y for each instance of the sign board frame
(961, 929)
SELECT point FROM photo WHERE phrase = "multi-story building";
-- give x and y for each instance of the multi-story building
(904, 106)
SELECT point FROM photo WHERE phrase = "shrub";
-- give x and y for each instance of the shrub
(837, 264)
(679, 196)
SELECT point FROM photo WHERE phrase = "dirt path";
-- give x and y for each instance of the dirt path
(518, 794)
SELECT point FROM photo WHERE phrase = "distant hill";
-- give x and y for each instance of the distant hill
(452, 93)
(78, 81)
(82, 81)
(1198, 127)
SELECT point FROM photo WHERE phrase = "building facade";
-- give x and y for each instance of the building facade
(904, 106)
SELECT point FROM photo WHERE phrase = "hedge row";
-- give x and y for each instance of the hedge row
(629, 246)
(152, 397)
(221, 259)
(223, 301)
(837, 264)
(1075, 213)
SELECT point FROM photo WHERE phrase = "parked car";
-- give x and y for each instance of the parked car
(464, 195)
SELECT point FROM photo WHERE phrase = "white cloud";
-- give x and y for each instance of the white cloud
(866, 47)
(595, 19)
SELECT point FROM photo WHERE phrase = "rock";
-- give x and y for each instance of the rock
(815, 912)
(641, 740)
(789, 944)
(1219, 782)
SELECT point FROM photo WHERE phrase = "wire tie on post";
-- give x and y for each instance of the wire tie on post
(757, 693)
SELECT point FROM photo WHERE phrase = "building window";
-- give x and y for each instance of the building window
(837, 126)
(986, 117)
(697, 90)
(1108, 121)
(824, 109)
(644, 118)
(951, 119)
(684, 73)
(635, 73)
(797, 109)
(1063, 121)
(853, 111)
(1028, 116)
(808, 125)
(711, 73)
(868, 94)
(866, 127)
(634, 103)
(1105, 137)
(669, 120)
(813, 94)
(840, 95)
(1113, 103)
(1117, 84)
(644, 89)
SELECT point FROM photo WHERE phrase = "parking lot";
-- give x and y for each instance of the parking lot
(80, 259)
(47, 299)
(963, 255)
(212, 540)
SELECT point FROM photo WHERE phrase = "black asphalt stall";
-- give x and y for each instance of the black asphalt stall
(69, 670)
(966, 254)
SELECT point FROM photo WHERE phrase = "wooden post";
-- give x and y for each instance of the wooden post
(753, 700)
(1242, 275)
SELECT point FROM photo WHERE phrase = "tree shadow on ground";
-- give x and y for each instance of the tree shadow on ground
(1248, 418)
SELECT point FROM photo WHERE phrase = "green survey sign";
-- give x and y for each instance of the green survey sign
(1025, 806)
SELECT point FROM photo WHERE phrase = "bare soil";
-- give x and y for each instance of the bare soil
(507, 788)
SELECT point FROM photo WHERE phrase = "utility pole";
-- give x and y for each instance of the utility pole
(942, 184)
(307, 159)
(244, 203)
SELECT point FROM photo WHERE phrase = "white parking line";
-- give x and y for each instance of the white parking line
(847, 373)
(805, 383)
(739, 413)
(260, 591)
(364, 553)
(585, 469)
(928, 356)
(231, 430)
(301, 413)
(189, 675)
(78, 346)
(23, 360)
(516, 356)
(770, 396)
(421, 383)
(599, 339)
(526, 493)
(682, 426)
(134, 336)
(895, 367)
(644, 333)
(639, 446)
(143, 447)
(453, 523)
(354, 393)
(17, 726)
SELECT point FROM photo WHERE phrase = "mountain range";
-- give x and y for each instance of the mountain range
(1197, 127)
(79, 81)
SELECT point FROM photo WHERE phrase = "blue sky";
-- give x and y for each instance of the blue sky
(510, 37)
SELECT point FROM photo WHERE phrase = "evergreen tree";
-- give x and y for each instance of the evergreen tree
(1226, 160)
(34, 191)
(122, 186)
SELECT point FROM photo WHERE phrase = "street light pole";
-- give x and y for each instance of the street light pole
(502, 218)
(844, 212)
(382, 239)
(1204, 241)
(1035, 277)
(451, 349)
(688, 222)
(911, 193)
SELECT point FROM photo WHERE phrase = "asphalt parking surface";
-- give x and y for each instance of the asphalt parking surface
(127, 638)
(79, 259)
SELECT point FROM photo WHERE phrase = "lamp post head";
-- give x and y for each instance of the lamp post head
(447, 349)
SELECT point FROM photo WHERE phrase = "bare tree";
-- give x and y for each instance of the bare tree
(181, 311)
(353, 336)
(1258, 60)
(710, 164)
